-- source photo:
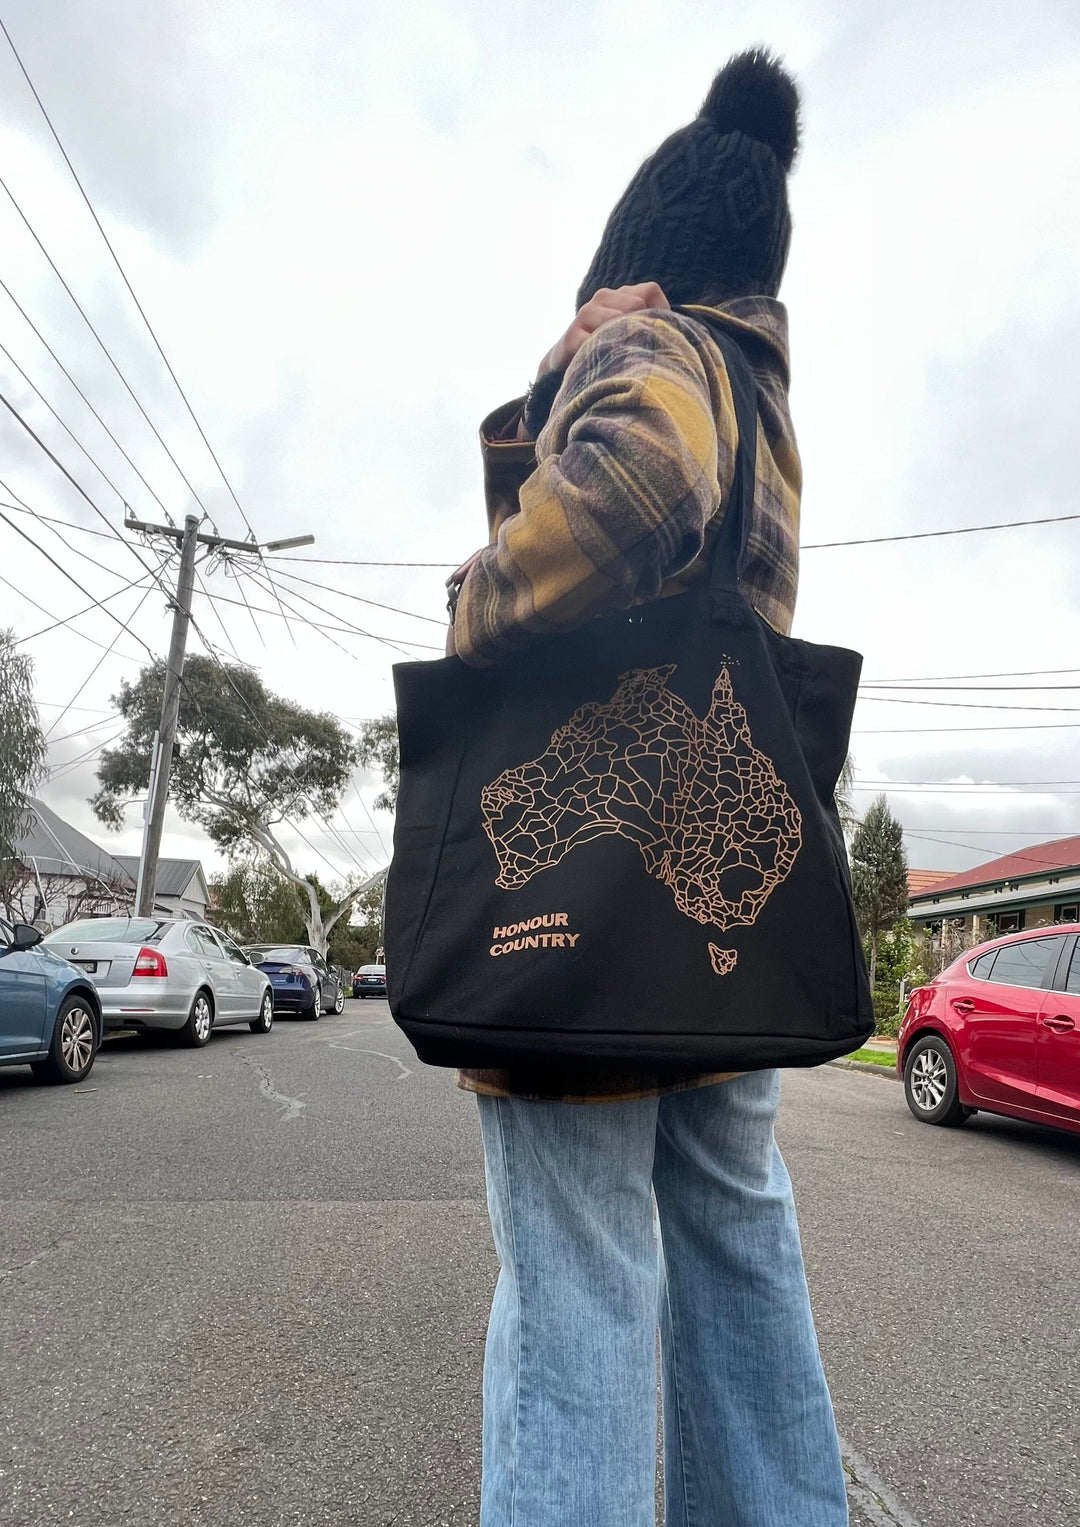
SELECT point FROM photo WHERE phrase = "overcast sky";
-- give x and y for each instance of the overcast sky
(356, 228)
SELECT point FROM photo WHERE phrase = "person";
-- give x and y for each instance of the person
(605, 488)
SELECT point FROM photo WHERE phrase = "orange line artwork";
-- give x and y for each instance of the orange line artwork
(711, 817)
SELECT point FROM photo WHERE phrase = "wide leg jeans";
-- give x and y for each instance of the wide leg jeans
(586, 1274)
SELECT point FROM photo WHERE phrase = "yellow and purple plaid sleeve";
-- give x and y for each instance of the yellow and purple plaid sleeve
(631, 466)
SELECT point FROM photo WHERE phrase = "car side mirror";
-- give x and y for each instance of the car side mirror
(26, 937)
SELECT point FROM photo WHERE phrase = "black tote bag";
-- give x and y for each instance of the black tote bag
(621, 846)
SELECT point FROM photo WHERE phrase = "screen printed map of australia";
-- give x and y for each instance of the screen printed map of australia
(711, 818)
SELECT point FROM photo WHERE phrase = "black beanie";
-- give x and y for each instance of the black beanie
(708, 212)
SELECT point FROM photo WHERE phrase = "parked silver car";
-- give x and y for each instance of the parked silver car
(167, 973)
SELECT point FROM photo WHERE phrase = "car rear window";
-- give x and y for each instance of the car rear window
(287, 955)
(1024, 963)
(1073, 982)
(110, 930)
(372, 970)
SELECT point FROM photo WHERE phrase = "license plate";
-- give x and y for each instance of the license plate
(90, 966)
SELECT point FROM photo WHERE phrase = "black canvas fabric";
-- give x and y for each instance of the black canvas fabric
(622, 845)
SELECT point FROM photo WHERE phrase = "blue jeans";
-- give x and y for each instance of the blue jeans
(570, 1366)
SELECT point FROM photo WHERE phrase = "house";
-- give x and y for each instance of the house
(921, 880)
(181, 889)
(59, 874)
(1030, 888)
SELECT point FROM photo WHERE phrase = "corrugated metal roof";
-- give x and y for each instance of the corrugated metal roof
(59, 849)
(1041, 858)
(920, 880)
(173, 875)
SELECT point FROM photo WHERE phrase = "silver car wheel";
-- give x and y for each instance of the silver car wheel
(929, 1079)
(77, 1038)
(339, 1004)
(266, 1012)
(203, 1019)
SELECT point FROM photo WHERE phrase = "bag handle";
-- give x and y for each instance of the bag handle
(729, 551)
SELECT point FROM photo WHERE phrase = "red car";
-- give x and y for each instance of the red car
(998, 1030)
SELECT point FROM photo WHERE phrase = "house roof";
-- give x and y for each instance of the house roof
(1040, 859)
(57, 848)
(173, 875)
(921, 880)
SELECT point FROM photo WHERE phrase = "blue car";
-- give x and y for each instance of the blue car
(50, 1016)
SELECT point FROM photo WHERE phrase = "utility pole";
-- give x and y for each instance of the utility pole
(170, 710)
(189, 539)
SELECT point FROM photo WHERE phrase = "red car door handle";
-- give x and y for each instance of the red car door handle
(964, 1005)
(1059, 1023)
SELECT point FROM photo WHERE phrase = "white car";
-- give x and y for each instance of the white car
(167, 973)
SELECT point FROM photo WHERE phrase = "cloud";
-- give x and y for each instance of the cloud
(357, 229)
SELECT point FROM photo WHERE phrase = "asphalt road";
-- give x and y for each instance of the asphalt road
(249, 1284)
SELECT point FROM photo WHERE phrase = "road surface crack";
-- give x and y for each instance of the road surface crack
(294, 1107)
(877, 1505)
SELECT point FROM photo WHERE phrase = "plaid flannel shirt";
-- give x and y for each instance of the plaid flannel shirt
(617, 503)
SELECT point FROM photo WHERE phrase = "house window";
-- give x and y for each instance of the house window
(1005, 922)
(1067, 912)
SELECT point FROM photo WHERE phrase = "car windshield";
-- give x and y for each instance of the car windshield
(289, 954)
(110, 930)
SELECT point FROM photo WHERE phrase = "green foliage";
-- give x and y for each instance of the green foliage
(254, 903)
(22, 743)
(845, 787)
(377, 750)
(246, 759)
(878, 875)
(356, 943)
(899, 958)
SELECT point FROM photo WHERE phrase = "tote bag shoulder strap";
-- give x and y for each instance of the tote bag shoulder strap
(729, 551)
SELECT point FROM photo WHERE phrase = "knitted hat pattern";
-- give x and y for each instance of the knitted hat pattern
(708, 211)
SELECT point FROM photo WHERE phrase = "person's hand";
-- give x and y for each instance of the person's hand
(463, 571)
(607, 304)
(455, 581)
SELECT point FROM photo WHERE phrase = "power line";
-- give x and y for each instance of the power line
(905, 731)
(100, 603)
(107, 654)
(960, 704)
(1023, 673)
(1001, 832)
(349, 628)
(37, 391)
(352, 562)
(78, 488)
(965, 784)
(929, 535)
(103, 347)
(347, 594)
(73, 763)
(21, 504)
(974, 689)
(1044, 864)
(91, 726)
(346, 630)
(56, 624)
(50, 519)
(123, 277)
(212, 653)
(941, 793)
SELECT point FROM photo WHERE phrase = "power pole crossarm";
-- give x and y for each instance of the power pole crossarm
(170, 710)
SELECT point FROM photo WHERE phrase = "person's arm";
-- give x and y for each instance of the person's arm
(626, 481)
